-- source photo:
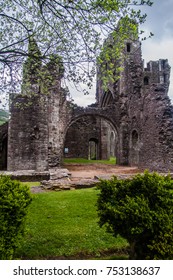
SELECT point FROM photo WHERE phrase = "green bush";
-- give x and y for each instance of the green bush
(14, 199)
(141, 211)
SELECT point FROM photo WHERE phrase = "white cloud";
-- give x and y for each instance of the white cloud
(77, 94)
(84, 100)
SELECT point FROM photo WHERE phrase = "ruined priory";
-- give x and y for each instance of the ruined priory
(132, 120)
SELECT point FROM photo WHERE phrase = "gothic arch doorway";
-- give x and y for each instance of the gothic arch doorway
(134, 158)
(93, 149)
(91, 137)
(3, 146)
(112, 144)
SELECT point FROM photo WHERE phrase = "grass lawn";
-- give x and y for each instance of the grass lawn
(31, 184)
(64, 225)
(112, 160)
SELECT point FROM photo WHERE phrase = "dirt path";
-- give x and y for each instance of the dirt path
(83, 176)
(89, 171)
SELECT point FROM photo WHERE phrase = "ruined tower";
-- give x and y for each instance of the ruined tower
(37, 115)
(138, 106)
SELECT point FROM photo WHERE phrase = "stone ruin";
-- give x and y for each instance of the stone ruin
(132, 120)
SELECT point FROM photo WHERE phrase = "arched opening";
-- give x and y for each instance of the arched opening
(134, 138)
(93, 149)
(106, 99)
(146, 81)
(134, 159)
(91, 137)
(112, 144)
(128, 47)
(3, 154)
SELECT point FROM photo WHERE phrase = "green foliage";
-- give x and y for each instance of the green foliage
(64, 224)
(31, 68)
(32, 65)
(75, 30)
(14, 200)
(38, 76)
(3, 116)
(140, 210)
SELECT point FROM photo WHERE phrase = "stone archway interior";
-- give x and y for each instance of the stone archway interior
(112, 144)
(3, 154)
(91, 137)
(93, 149)
(135, 148)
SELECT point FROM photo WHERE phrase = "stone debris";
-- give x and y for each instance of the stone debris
(59, 173)
(68, 184)
(27, 175)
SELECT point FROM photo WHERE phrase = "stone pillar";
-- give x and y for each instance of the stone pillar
(28, 134)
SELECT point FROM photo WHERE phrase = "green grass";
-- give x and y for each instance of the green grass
(31, 184)
(65, 225)
(112, 160)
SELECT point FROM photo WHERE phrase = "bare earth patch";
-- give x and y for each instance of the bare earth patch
(76, 176)
(90, 171)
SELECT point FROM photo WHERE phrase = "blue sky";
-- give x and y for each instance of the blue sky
(160, 22)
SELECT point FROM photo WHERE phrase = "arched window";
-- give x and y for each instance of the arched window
(112, 144)
(3, 153)
(146, 81)
(134, 153)
(128, 47)
(134, 138)
(93, 149)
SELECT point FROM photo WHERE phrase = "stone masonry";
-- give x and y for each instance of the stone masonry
(132, 119)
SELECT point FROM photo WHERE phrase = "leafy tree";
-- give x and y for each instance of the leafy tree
(141, 211)
(72, 29)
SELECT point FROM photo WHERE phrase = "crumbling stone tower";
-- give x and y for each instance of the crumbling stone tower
(145, 119)
(139, 108)
(156, 118)
(38, 116)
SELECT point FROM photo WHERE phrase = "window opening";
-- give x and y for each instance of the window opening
(93, 147)
(146, 81)
(128, 47)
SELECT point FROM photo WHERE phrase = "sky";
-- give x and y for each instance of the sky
(160, 22)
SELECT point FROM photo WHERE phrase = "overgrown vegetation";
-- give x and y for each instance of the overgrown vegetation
(112, 160)
(14, 201)
(65, 225)
(75, 30)
(3, 116)
(141, 211)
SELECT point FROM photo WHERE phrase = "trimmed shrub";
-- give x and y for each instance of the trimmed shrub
(14, 200)
(141, 211)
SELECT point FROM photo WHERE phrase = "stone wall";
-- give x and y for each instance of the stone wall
(38, 116)
(59, 112)
(28, 134)
(3, 145)
(147, 114)
(36, 130)
(79, 135)
(91, 137)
